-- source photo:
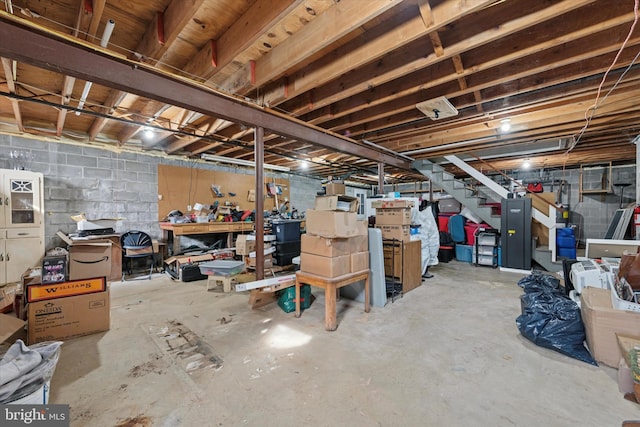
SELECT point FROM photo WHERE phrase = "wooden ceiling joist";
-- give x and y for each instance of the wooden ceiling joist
(61, 54)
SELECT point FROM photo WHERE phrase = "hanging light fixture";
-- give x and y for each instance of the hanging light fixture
(505, 125)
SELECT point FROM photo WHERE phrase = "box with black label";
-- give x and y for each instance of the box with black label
(54, 269)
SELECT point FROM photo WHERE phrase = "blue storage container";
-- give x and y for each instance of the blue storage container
(569, 253)
(566, 242)
(565, 238)
(464, 253)
(565, 232)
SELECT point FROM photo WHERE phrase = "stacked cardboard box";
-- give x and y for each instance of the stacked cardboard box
(336, 242)
(393, 218)
(64, 310)
(246, 246)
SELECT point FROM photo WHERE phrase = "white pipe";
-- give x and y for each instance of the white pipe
(242, 162)
(106, 35)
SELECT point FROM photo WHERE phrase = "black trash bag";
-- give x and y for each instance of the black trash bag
(554, 322)
(539, 281)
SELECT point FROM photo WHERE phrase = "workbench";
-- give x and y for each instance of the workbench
(330, 286)
(171, 233)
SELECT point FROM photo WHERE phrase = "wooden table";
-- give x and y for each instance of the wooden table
(330, 286)
(171, 232)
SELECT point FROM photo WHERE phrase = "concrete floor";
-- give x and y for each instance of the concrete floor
(447, 354)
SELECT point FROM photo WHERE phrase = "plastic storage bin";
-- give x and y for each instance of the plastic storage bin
(221, 267)
(449, 205)
(464, 253)
(286, 231)
(446, 253)
(569, 253)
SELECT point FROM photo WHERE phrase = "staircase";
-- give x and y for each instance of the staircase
(476, 202)
(459, 190)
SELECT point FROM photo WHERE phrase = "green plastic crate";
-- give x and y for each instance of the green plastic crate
(287, 298)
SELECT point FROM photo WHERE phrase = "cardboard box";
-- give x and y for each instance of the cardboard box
(244, 246)
(33, 276)
(392, 203)
(251, 262)
(333, 189)
(602, 322)
(47, 291)
(393, 216)
(332, 223)
(325, 266)
(9, 326)
(66, 318)
(54, 269)
(84, 223)
(398, 232)
(359, 261)
(89, 259)
(337, 203)
(324, 246)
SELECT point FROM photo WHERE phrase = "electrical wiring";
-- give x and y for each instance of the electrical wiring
(590, 112)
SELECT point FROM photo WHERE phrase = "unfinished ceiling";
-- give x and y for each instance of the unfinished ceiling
(339, 85)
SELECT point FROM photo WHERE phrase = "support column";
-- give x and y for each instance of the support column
(259, 222)
(380, 178)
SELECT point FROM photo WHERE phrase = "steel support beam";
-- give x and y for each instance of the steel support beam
(258, 153)
(36, 46)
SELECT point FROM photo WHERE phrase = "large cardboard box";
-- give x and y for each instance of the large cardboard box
(324, 246)
(393, 216)
(66, 318)
(90, 259)
(332, 223)
(336, 203)
(359, 261)
(392, 203)
(602, 322)
(398, 232)
(9, 326)
(325, 266)
(335, 189)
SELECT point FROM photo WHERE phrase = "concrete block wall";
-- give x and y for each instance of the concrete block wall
(591, 216)
(104, 183)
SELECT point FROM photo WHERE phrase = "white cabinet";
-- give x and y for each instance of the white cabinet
(21, 223)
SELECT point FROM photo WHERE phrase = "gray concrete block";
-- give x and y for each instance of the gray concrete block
(95, 173)
(131, 166)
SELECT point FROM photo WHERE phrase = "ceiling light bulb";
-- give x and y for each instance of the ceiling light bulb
(526, 164)
(505, 125)
(148, 133)
(304, 164)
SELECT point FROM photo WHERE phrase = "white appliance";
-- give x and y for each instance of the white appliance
(597, 274)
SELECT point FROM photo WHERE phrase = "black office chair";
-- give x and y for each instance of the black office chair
(136, 244)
